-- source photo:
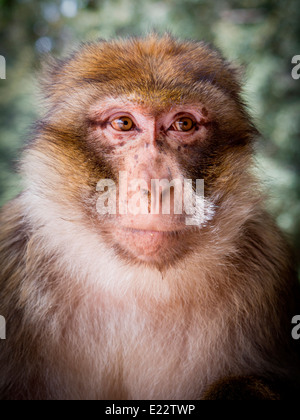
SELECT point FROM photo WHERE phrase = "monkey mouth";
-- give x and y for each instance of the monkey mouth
(150, 239)
(149, 246)
(151, 236)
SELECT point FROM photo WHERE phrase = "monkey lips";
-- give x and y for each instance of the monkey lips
(158, 247)
(146, 244)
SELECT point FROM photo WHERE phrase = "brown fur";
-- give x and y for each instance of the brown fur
(241, 389)
(85, 321)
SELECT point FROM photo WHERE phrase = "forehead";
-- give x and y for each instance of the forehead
(155, 72)
(158, 67)
(151, 106)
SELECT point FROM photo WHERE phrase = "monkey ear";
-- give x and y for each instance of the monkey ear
(237, 74)
(238, 71)
(50, 75)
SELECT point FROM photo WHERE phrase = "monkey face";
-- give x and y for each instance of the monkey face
(153, 109)
(145, 143)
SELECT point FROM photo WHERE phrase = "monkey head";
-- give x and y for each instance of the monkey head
(152, 109)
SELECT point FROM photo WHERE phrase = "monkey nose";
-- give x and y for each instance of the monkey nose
(145, 192)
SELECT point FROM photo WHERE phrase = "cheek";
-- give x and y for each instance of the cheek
(109, 153)
(199, 162)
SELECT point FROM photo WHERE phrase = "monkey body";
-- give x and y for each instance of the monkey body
(110, 307)
(115, 333)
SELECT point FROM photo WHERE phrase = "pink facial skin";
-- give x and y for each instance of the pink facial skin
(148, 150)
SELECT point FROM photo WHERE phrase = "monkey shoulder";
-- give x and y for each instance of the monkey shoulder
(14, 236)
(251, 388)
(263, 247)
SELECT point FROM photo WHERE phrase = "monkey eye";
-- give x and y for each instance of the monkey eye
(183, 124)
(122, 124)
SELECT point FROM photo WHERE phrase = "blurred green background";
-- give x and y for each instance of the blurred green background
(261, 35)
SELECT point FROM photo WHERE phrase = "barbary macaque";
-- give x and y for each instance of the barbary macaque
(142, 305)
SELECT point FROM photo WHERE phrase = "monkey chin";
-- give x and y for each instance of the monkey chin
(156, 249)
